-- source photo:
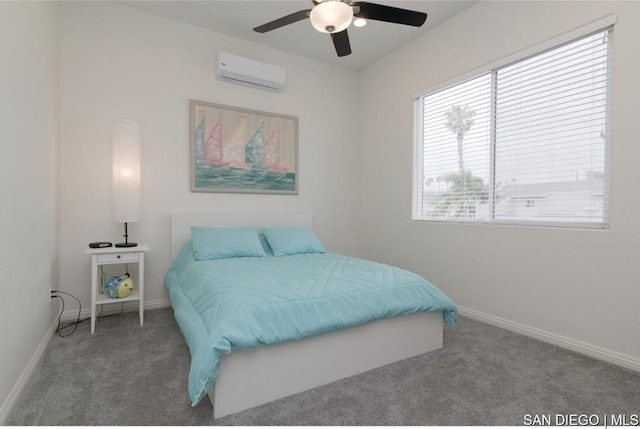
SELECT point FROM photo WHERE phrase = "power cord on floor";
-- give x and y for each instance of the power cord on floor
(61, 327)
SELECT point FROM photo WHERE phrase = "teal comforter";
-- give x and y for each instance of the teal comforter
(241, 303)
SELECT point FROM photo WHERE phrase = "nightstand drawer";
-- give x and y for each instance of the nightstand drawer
(118, 257)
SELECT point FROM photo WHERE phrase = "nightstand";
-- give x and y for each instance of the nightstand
(110, 256)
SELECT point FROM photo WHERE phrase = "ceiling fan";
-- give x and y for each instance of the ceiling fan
(334, 16)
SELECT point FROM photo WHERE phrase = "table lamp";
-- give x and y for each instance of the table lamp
(126, 174)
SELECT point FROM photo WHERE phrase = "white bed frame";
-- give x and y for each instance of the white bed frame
(257, 376)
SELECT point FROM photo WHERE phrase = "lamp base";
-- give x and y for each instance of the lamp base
(126, 244)
(126, 239)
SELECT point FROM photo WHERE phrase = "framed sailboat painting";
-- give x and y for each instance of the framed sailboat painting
(242, 151)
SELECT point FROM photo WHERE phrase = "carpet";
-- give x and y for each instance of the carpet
(128, 375)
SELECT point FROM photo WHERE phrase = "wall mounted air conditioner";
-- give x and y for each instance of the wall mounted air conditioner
(244, 70)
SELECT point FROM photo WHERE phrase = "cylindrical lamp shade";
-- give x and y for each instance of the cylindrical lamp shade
(331, 16)
(126, 170)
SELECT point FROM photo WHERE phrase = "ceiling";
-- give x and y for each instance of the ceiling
(238, 18)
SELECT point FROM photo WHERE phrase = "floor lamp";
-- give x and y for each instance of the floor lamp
(126, 174)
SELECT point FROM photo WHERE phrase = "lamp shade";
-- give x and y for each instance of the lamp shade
(331, 16)
(126, 170)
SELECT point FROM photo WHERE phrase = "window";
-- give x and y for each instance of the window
(524, 143)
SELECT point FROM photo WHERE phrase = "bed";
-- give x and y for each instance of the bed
(253, 350)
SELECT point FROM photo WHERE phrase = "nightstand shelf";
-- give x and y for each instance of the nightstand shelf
(103, 299)
(110, 256)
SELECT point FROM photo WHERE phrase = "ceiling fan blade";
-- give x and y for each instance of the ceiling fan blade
(341, 43)
(379, 12)
(285, 20)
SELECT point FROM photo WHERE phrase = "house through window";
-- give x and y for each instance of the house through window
(524, 143)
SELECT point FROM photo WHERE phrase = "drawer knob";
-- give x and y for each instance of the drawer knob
(118, 256)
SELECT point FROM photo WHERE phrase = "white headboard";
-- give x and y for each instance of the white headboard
(181, 223)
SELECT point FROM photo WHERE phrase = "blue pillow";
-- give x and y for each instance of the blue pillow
(222, 243)
(292, 240)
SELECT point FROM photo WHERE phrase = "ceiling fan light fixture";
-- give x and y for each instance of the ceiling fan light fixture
(359, 22)
(331, 16)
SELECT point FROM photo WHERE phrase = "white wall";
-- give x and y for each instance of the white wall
(28, 182)
(118, 61)
(579, 284)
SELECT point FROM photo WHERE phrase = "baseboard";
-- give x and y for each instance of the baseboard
(26, 374)
(621, 359)
(116, 307)
(157, 303)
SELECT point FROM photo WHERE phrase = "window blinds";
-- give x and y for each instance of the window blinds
(525, 143)
(455, 132)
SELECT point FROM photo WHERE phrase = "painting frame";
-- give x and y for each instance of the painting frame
(239, 150)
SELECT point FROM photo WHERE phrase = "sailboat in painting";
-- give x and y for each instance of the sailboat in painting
(272, 151)
(265, 154)
(213, 146)
(254, 149)
(234, 148)
(199, 140)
